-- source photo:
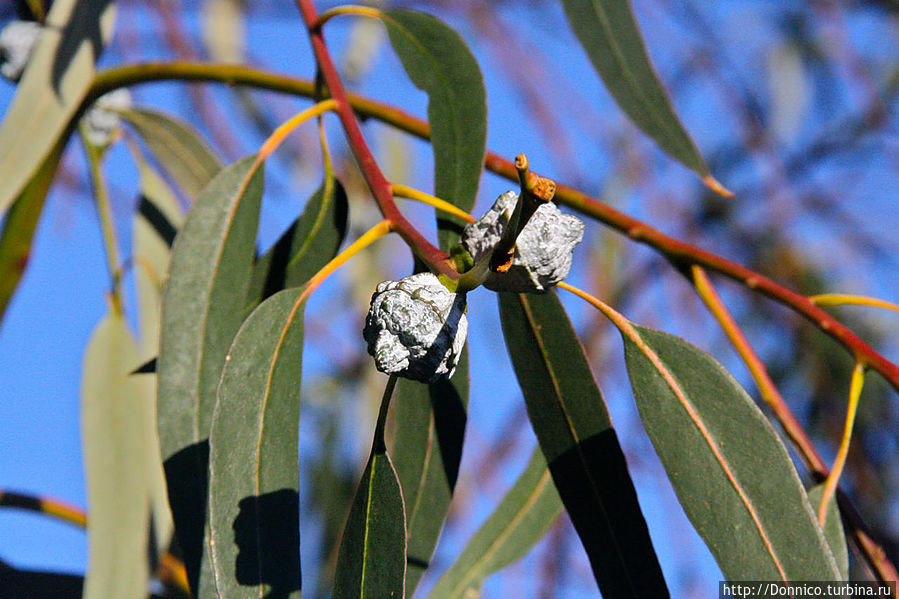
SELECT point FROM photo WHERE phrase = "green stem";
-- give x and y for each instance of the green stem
(104, 212)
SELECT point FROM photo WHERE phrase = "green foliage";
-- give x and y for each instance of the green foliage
(572, 424)
(608, 32)
(732, 474)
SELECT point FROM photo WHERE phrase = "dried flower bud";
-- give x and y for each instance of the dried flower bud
(101, 121)
(17, 41)
(416, 328)
(542, 251)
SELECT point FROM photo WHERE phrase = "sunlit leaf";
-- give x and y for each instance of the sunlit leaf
(20, 224)
(306, 246)
(426, 446)
(439, 62)
(731, 473)
(253, 473)
(833, 530)
(525, 514)
(224, 30)
(52, 88)
(371, 562)
(608, 32)
(177, 147)
(202, 308)
(572, 424)
(113, 440)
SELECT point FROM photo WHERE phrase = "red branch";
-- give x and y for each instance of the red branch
(377, 182)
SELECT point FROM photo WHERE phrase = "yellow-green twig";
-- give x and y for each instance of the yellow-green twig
(410, 193)
(830, 485)
(104, 211)
(366, 11)
(278, 135)
(379, 230)
(842, 299)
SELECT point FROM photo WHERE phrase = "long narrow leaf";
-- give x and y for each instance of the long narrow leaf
(833, 530)
(427, 447)
(522, 518)
(306, 246)
(55, 82)
(202, 309)
(439, 62)
(253, 474)
(731, 473)
(371, 562)
(112, 427)
(178, 148)
(608, 32)
(20, 224)
(572, 424)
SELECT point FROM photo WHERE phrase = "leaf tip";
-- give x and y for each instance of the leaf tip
(713, 184)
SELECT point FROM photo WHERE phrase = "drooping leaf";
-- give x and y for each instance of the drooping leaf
(833, 530)
(21, 223)
(525, 514)
(306, 246)
(113, 439)
(426, 446)
(439, 62)
(52, 88)
(224, 30)
(608, 32)
(178, 148)
(371, 562)
(572, 424)
(202, 308)
(253, 472)
(731, 473)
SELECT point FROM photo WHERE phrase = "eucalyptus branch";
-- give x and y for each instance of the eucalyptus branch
(680, 253)
(377, 182)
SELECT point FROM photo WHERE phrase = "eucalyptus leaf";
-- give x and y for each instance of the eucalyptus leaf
(177, 146)
(253, 472)
(731, 473)
(426, 446)
(306, 246)
(113, 410)
(51, 90)
(202, 308)
(609, 33)
(439, 62)
(20, 225)
(371, 562)
(833, 530)
(522, 518)
(570, 418)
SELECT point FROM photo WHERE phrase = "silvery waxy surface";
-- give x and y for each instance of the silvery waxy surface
(17, 41)
(542, 251)
(101, 121)
(416, 328)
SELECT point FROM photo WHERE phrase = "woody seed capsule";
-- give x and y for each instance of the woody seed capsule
(416, 328)
(542, 251)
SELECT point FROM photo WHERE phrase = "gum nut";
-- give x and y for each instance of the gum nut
(17, 40)
(101, 120)
(416, 328)
(543, 249)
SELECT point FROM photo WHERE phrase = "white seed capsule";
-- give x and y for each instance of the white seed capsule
(542, 251)
(416, 328)
(101, 121)
(17, 41)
